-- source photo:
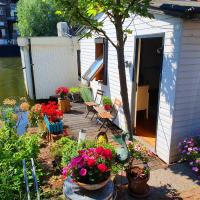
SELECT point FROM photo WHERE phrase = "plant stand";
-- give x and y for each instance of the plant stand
(73, 192)
(64, 105)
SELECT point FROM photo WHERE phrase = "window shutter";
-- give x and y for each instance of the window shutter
(79, 63)
(105, 60)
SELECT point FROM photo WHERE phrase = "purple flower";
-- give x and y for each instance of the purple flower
(191, 163)
(195, 169)
(83, 172)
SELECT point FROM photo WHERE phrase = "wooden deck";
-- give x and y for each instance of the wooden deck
(75, 121)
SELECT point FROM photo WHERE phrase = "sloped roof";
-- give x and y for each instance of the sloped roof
(178, 8)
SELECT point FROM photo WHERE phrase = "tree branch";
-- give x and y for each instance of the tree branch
(99, 30)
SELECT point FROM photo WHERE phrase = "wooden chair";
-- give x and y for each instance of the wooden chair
(143, 99)
(96, 102)
(106, 117)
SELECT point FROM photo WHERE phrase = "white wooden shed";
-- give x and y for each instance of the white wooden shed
(162, 54)
(48, 62)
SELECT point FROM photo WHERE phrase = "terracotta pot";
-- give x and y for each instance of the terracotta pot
(64, 105)
(93, 186)
(138, 188)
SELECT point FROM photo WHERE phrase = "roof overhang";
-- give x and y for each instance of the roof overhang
(182, 9)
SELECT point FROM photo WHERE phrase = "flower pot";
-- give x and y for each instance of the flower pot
(64, 105)
(138, 187)
(93, 186)
(55, 128)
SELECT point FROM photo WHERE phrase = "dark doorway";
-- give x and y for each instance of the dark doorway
(149, 68)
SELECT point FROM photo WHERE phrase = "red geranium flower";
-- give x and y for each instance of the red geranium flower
(102, 167)
(91, 162)
(107, 153)
(99, 150)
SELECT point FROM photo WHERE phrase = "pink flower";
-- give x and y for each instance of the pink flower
(64, 171)
(83, 172)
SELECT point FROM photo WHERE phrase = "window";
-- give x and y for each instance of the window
(98, 70)
(2, 12)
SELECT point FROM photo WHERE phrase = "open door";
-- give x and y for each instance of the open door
(146, 90)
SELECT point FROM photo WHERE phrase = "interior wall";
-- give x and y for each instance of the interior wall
(150, 68)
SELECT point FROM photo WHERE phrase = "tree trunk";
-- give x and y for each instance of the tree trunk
(122, 75)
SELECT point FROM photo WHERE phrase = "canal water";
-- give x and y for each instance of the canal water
(11, 78)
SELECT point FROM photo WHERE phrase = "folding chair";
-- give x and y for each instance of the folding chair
(108, 118)
(96, 102)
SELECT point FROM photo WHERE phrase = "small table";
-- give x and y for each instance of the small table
(73, 192)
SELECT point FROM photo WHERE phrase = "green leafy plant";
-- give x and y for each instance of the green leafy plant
(106, 100)
(13, 149)
(74, 90)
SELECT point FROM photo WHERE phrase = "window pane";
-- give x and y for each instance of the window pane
(90, 73)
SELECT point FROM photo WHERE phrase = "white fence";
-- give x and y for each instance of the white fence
(54, 64)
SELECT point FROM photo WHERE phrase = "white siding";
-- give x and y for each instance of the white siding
(161, 24)
(187, 102)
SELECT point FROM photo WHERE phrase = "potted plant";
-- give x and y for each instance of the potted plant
(107, 103)
(36, 117)
(138, 171)
(91, 168)
(63, 102)
(52, 117)
(75, 94)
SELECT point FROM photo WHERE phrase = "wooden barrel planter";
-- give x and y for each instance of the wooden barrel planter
(64, 105)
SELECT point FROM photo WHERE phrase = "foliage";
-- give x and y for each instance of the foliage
(51, 111)
(62, 91)
(106, 100)
(37, 18)
(86, 94)
(139, 152)
(91, 166)
(13, 149)
(190, 151)
(74, 90)
(35, 115)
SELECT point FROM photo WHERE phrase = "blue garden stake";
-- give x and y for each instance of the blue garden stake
(26, 179)
(35, 178)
